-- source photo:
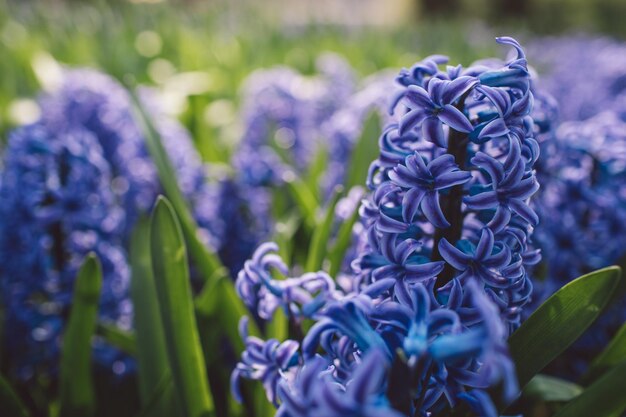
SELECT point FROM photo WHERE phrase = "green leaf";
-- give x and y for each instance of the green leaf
(10, 403)
(342, 243)
(153, 366)
(613, 354)
(550, 389)
(304, 198)
(171, 275)
(316, 170)
(121, 339)
(154, 406)
(285, 231)
(561, 320)
(205, 261)
(321, 234)
(365, 151)
(77, 390)
(214, 293)
(167, 177)
(605, 398)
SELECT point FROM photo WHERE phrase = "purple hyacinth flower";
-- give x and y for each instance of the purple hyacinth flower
(510, 188)
(264, 361)
(363, 395)
(299, 296)
(479, 261)
(424, 182)
(397, 265)
(431, 109)
(346, 318)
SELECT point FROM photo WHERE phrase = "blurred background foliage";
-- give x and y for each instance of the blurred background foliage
(199, 52)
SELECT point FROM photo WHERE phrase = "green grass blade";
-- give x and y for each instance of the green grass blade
(153, 366)
(321, 234)
(342, 243)
(77, 388)
(121, 339)
(171, 276)
(167, 176)
(605, 398)
(304, 198)
(613, 354)
(550, 389)
(10, 403)
(285, 231)
(365, 151)
(205, 261)
(316, 170)
(561, 320)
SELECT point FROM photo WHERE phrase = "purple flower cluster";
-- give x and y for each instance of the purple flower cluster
(56, 205)
(283, 112)
(440, 281)
(585, 75)
(583, 175)
(74, 182)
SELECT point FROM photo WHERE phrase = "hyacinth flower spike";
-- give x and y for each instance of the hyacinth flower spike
(438, 271)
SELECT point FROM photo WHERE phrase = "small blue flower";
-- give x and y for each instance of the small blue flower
(424, 182)
(398, 265)
(511, 185)
(363, 395)
(263, 361)
(432, 106)
(345, 318)
(299, 297)
(482, 261)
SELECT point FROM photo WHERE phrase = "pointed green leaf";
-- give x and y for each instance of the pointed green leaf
(167, 177)
(550, 389)
(10, 403)
(321, 234)
(316, 170)
(342, 243)
(605, 398)
(285, 231)
(153, 366)
(77, 389)
(205, 261)
(171, 276)
(561, 320)
(121, 339)
(303, 197)
(364, 152)
(613, 354)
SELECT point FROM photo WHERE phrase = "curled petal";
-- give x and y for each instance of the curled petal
(432, 210)
(454, 118)
(410, 203)
(412, 119)
(453, 256)
(494, 129)
(433, 131)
